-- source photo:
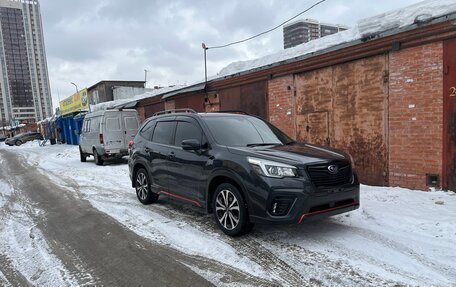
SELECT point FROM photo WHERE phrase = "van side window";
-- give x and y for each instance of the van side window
(147, 130)
(113, 124)
(163, 132)
(86, 126)
(95, 124)
(131, 123)
(186, 131)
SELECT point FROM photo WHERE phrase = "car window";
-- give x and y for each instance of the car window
(112, 124)
(163, 132)
(185, 131)
(244, 131)
(147, 130)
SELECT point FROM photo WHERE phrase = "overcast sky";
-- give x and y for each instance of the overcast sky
(88, 41)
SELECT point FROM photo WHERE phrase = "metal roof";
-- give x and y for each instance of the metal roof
(193, 88)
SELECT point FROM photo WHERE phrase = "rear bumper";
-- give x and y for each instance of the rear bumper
(114, 152)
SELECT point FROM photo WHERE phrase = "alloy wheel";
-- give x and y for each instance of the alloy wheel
(227, 209)
(142, 186)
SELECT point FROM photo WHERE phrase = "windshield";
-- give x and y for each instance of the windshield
(245, 131)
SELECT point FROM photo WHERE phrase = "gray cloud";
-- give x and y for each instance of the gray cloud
(88, 41)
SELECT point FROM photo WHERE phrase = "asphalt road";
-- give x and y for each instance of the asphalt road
(88, 241)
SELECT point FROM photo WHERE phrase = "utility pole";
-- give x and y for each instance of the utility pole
(205, 62)
(145, 78)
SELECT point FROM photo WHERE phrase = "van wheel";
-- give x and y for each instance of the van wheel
(82, 155)
(98, 159)
(142, 186)
(230, 212)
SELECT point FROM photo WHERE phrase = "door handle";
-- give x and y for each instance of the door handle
(171, 155)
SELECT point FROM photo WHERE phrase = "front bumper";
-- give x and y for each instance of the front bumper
(306, 202)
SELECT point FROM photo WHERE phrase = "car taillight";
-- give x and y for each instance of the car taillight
(130, 145)
(101, 139)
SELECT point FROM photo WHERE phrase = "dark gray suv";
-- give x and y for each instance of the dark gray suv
(23, 138)
(241, 168)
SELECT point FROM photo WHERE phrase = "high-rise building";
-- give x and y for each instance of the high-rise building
(302, 31)
(24, 82)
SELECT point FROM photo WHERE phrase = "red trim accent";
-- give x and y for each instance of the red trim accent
(180, 197)
(326, 210)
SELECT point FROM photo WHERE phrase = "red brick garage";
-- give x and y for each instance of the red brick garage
(386, 101)
(386, 110)
(389, 100)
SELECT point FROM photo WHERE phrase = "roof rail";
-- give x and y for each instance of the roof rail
(233, 112)
(174, 111)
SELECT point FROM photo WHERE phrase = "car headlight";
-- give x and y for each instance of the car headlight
(272, 168)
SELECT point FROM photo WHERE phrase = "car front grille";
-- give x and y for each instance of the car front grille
(321, 176)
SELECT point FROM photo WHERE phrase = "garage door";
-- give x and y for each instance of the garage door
(250, 98)
(345, 107)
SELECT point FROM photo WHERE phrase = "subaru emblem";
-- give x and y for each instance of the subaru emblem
(333, 169)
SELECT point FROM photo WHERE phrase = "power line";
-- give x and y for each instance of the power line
(267, 31)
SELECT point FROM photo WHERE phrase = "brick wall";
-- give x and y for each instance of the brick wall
(213, 103)
(281, 104)
(141, 113)
(415, 115)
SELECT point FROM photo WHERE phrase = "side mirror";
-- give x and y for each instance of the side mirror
(191, 144)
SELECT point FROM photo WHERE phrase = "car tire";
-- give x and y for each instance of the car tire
(142, 187)
(230, 211)
(98, 158)
(82, 155)
(18, 142)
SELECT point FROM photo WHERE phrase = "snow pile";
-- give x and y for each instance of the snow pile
(421, 12)
(415, 14)
(120, 102)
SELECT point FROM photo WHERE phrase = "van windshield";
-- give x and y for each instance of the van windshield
(245, 131)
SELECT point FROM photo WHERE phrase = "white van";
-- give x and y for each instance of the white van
(105, 134)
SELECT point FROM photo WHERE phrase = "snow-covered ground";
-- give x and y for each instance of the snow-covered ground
(23, 246)
(397, 235)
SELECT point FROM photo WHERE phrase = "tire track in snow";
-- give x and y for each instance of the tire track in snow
(113, 252)
(27, 257)
(344, 251)
(276, 267)
(260, 248)
(9, 276)
(281, 272)
(406, 251)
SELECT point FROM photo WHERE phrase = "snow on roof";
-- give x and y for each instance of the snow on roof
(8, 128)
(120, 102)
(418, 13)
(48, 119)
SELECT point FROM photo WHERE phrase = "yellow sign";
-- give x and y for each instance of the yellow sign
(77, 102)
